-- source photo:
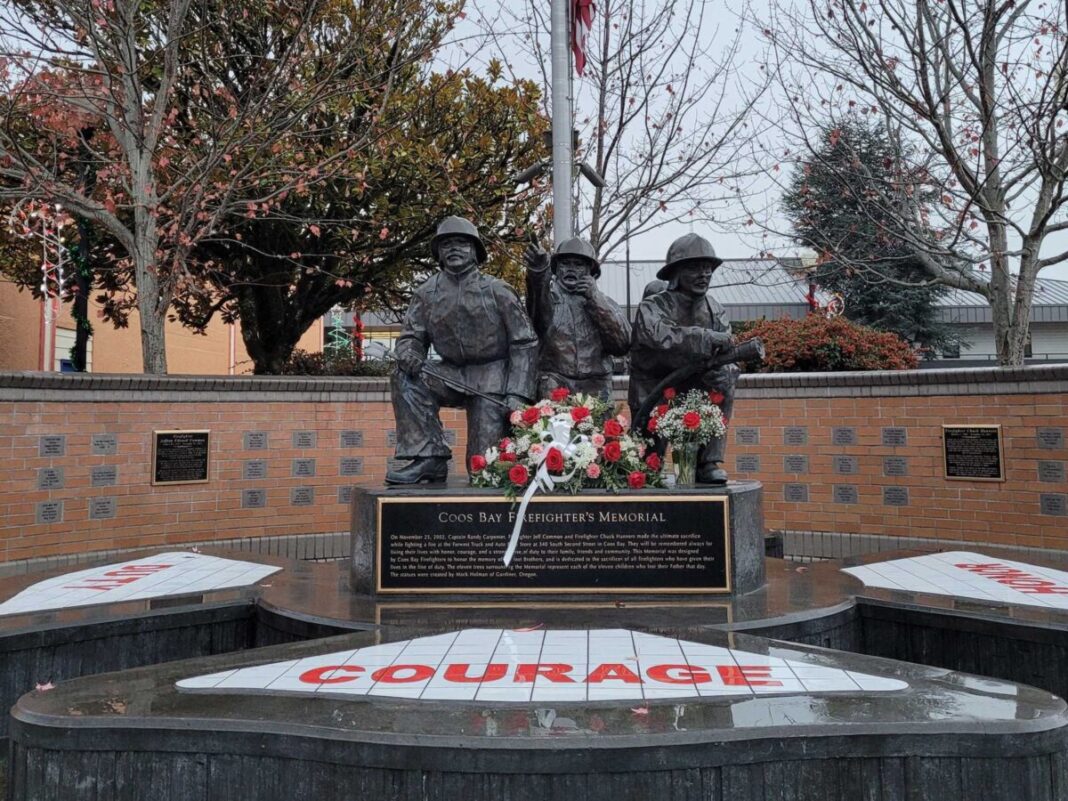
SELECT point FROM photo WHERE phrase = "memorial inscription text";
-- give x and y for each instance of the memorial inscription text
(600, 544)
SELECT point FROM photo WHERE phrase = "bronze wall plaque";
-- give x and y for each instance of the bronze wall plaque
(634, 544)
(973, 452)
(180, 457)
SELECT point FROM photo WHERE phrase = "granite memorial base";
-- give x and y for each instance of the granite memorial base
(514, 715)
(420, 541)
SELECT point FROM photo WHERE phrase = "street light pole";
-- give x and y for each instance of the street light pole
(561, 97)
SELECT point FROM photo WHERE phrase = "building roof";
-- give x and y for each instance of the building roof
(749, 288)
(752, 289)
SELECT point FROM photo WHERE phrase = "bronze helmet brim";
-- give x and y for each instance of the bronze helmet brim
(667, 272)
(480, 249)
(595, 265)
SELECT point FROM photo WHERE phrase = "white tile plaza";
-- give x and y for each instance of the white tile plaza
(505, 666)
(970, 575)
(153, 577)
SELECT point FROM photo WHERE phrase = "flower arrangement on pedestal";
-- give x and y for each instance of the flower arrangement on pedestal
(567, 442)
(687, 422)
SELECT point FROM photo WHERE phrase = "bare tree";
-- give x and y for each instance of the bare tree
(662, 110)
(975, 93)
(177, 150)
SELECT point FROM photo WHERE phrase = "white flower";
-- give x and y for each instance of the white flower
(491, 455)
(584, 454)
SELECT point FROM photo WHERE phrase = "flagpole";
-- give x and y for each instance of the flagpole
(561, 89)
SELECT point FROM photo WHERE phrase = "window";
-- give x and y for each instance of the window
(62, 362)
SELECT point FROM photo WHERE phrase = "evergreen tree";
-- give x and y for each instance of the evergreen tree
(837, 204)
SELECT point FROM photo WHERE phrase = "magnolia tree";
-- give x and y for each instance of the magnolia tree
(192, 113)
(361, 237)
(973, 94)
(662, 110)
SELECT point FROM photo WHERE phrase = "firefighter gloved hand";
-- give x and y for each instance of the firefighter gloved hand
(536, 259)
(410, 362)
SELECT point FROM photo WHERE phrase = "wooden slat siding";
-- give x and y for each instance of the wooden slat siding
(45, 775)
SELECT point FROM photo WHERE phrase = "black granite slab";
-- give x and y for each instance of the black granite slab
(99, 737)
(483, 517)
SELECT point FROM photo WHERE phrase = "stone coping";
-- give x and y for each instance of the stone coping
(104, 387)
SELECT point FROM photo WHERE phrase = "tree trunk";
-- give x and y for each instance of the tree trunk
(151, 303)
(269, 336)
(1000, 298)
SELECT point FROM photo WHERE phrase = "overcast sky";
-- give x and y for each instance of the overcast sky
(734, 242)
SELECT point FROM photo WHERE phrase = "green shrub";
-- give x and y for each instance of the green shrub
(304, 363)
(816, 344)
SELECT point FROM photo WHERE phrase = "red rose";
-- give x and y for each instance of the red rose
(507, 456)
(691, 420)
(531, 415)
(559, 394)
(478, 462)
(518, 475)
(636, 480)
(612, 452)
(612, 428)
(651, 425)
(579, 413)
(504, 443)
(554, 460)
(661, 410)
(669, 394)
(653, 460)
(726, 421)
(716, 397)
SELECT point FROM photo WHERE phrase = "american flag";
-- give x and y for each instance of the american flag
(581, 21)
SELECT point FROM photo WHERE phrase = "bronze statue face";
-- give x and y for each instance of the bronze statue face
(570, 270)
(457, 254)
(694, 278)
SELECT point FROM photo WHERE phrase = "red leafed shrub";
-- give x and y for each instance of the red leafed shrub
(815, 344)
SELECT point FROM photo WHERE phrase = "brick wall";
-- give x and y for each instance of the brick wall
(57, 432)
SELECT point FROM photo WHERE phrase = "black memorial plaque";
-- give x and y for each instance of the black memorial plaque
(747, 435)
(795, 435)
(647, 544)
(747, 464)
(973, 452)
(894, 436)
(255, 440)
(895, 466)
(344, 495)
(794, 463)
(104, 444)
(1051, 472)
(351, 439)
(180, 457)
(795, 493)
(302, 496)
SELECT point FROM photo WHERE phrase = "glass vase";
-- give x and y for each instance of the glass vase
(684, 458)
